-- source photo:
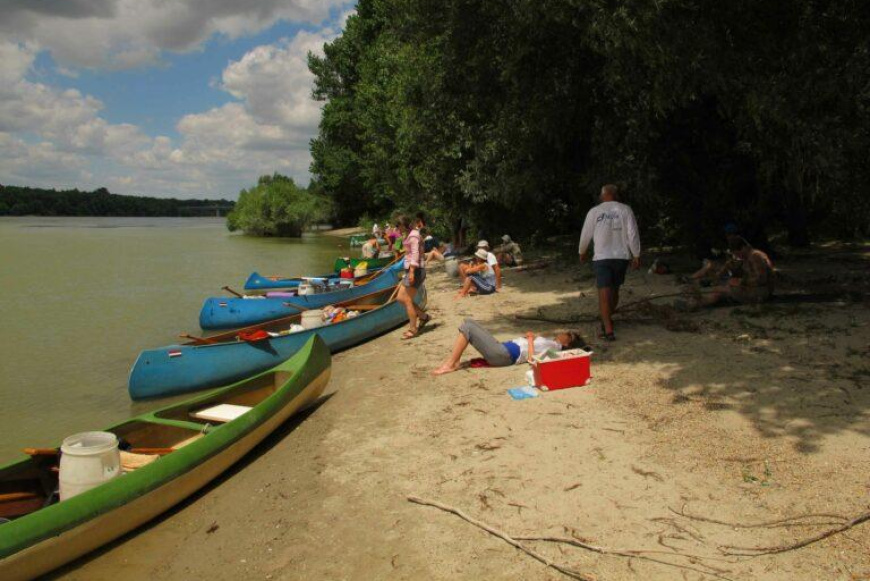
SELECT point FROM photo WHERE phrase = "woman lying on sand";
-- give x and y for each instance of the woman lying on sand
(502, 354)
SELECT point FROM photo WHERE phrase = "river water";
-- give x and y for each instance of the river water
(80, 297)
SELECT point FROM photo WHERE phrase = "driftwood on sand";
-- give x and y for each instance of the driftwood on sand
(574, 574)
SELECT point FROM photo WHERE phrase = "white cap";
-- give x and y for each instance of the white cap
(481, 254)
(505, 238)
(428, 238)
(483, 244)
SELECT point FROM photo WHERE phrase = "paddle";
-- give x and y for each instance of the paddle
(231, 291)
(362, 307)
(367, 278)
(13, 496)
(56, 451)
(197, 340)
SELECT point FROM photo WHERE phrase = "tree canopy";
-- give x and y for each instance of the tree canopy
(276, 206)
(24, 201)
(514, 113)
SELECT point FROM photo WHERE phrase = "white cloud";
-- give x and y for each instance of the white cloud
(129, 33)
(58, 138)
(275, 82)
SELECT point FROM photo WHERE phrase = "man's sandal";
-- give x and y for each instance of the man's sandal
(423, 322)
(410, 334)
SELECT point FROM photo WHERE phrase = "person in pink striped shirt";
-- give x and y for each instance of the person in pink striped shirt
(415, 274)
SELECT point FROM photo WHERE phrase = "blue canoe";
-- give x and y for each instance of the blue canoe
(192, 366)
(258, 282)
(232, 313)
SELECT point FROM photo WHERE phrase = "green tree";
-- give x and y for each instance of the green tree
(276, 206)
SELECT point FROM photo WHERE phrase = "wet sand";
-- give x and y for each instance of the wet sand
(740, 414)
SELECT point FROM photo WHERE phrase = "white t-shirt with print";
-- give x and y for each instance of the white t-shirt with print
(613, 228)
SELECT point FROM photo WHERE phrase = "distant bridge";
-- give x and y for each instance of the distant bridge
(216, 210)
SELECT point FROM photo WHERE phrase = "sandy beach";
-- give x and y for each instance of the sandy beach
(738, 415)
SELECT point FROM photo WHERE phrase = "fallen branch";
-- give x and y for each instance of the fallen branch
(631, 554)
(514, 541)
(624, 307)
(544, 319)
(576, 320)
(505, 537)
(785, 522)
(757, 551)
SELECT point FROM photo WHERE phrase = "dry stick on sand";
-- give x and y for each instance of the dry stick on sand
(757, 551)
(514, 541)
(634, 554)
(785, 522)
(503, 536)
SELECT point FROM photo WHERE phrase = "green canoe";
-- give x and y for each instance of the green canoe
(373, 263)
(192, 452)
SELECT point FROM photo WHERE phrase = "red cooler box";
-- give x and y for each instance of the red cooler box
(570, 369)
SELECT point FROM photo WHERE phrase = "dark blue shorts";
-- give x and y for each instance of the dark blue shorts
(609, 273)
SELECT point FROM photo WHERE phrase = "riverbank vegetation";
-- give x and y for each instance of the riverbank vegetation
(276, 206)
(752, 111)
(24, 201)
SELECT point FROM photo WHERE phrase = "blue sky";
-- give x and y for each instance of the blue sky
(110, 98)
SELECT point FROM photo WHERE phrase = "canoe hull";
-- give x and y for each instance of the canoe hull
(178, 369)
(372, 263)
(257, 281)
(232, 313)
(82, 524)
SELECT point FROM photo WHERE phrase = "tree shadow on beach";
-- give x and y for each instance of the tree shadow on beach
(796, 368)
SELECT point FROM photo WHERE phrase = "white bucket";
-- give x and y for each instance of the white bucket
(358, 272)
(88, 460)
(451, 264)
(312, 319)
(305, 289)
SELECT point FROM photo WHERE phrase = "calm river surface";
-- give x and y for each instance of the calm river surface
(80, 297)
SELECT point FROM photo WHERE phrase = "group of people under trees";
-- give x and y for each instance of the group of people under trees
(746, 277)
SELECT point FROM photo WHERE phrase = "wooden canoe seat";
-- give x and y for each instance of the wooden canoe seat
(221, 413)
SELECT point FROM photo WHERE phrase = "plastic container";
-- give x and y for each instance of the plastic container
(346, 273)
(451, 264)
(88, 460)
(358, 272)
(305, 288)
(569, 369)
(312, 319)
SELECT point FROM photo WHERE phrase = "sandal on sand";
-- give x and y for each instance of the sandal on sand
(409, 334)
(423, 322)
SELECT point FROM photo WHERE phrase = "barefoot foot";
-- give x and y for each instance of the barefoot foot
(444, 369)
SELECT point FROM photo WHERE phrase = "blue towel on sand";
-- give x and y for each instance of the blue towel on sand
(524, 392)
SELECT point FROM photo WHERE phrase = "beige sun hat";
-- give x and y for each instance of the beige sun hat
(483, 244)
(481, 254)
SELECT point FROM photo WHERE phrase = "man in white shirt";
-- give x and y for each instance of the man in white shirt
(612, 228)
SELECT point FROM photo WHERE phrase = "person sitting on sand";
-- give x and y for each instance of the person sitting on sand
(491, 260)
(509, 253)
(503, 354)
(755, 284)
(479, 276)
(439, 253)
(712, 271)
